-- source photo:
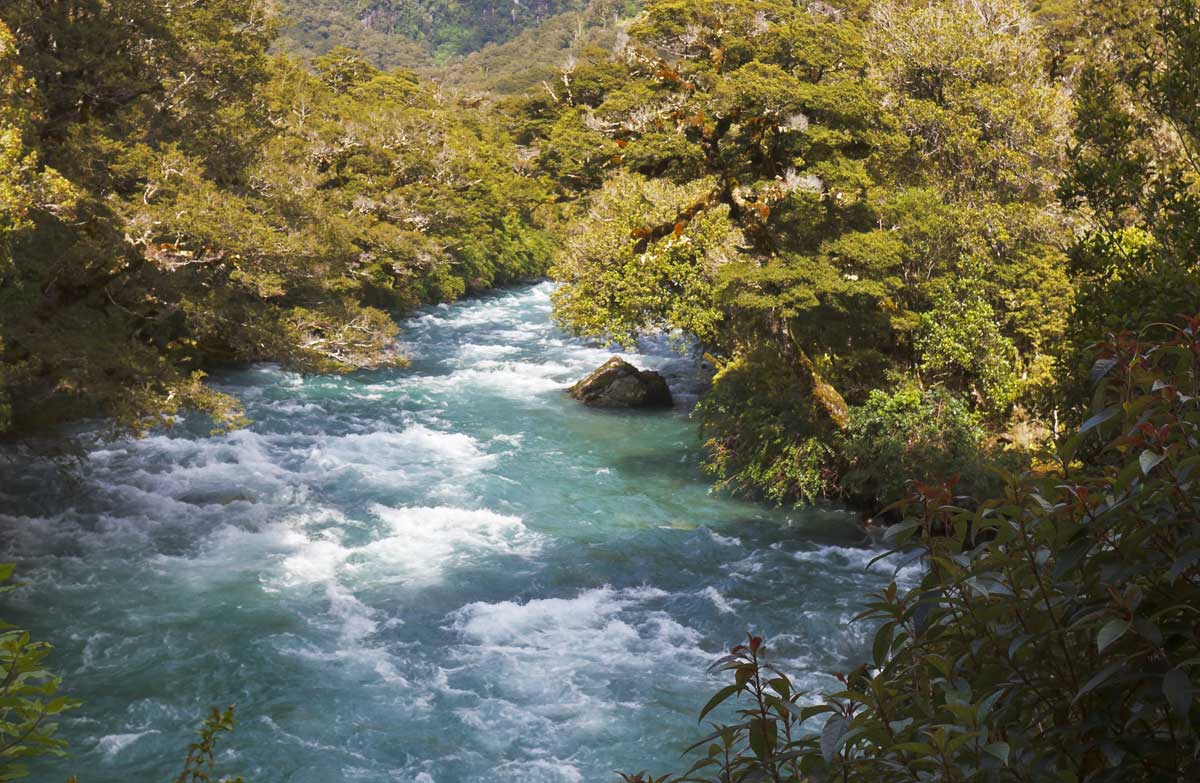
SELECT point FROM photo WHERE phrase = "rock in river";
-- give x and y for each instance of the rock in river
(618, 384)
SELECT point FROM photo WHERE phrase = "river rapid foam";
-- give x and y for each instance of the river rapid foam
(449, 573)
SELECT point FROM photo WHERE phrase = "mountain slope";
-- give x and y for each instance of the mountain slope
(408, 33)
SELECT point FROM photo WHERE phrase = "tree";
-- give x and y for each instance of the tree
(24, 185)
(884, 178)
(1052, 636)
(227, 206)
(1133, 175)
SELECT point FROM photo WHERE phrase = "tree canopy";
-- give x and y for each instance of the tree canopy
(181, 199)
(843, 197)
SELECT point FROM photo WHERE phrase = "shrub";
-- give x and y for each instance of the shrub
(909, 434)
(1054, 635)
(199, 767)
(29, 700)
(762, 433)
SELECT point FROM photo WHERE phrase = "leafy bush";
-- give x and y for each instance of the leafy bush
(960, 340)
(29, 704)
(763, 437)
(201, 758)
(1053, 636)
(905, 435)
(760, 427)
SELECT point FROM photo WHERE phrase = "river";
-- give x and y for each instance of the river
(447, 573)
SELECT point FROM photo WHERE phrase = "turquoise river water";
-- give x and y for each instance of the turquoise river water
(449, 573)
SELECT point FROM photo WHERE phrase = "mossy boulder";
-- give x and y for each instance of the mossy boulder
(618, 384)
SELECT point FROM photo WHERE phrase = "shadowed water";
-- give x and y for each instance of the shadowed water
(440, 574)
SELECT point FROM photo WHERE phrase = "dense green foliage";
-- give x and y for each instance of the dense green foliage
(541, 58)
(838, 199)
(897, 233)
(1135, 172)
(29, 700)
(1053, 636)
(179, 199)
(410, 32)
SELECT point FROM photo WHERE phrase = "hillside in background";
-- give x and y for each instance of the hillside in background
(425, 33)
(539, 55)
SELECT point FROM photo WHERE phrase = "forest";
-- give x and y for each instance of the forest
(941, 256)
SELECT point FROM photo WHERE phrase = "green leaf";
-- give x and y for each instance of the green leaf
(1067, 447)
(835, 728)
(1017, 643)
(717, 698)
(1182, 564)
(883, 642)
(1178, 690)
(1100, 418)
(893, 533)
(999, 750)
(816, 709)
(1066, 560)
(962, 739)
(1148, 459)
(1097, 680)
(762, 737)
(1111, 631)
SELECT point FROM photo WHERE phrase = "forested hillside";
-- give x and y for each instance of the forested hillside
(534, 59)
(395, 33)
(175, 199)
(895, 226)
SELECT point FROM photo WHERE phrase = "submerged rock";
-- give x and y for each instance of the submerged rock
(618, 384)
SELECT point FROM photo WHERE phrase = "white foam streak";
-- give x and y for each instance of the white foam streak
(603, 625)
(860, 559)
(414, 544)
(539, 771)
(112, 744)
(721, 602)
(415, 454)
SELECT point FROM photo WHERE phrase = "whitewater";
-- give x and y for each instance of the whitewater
(446, 573)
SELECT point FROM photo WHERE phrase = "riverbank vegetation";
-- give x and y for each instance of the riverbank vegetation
(904, 258)
(896, 227)
(174, 198)
(1052, 636)
(938, 253)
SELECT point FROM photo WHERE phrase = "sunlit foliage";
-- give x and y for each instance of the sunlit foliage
(886, 177)
(1052, 636)
(191, 202)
